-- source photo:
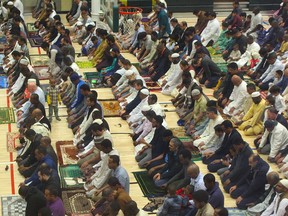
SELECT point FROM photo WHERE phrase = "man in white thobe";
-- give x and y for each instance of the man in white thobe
(280, 202)
(209, 134)
(173, 76)
(255, 21)
(237, 97)
(212, 30)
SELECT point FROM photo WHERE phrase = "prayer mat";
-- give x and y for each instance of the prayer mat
(7, 115)
(66, 152)
(35, 41)
(147, 185)
(111, 108)
(12, 141)
(84, 64)
(94, 78)
(38, 61)
(13, 205)
(118, 126)
(3, 81)
(42, 72)
(178, 132)
(196, 154)
(153, 86)
(70, 177)
(236, 212)
(31, 27)
(76, 203)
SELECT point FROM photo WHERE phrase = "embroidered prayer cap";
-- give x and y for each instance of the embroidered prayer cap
(31, 81)
(195, 92)
(284, 182)
(175, 55)
(255, 94)
(145, 91)
(98, 121)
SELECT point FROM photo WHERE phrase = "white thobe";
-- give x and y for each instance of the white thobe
(278, 139)
(255, 20)
(237, 98)
(136, 113)
(103, 172)
(247, 56)
(276, 208)
(209, 133)
(173, 78)
(271, 70)
(211, 31)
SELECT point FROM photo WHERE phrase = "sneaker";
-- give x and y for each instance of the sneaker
(157, 200)
(150, 207)
(58, 119)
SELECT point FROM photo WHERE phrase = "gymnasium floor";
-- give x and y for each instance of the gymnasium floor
(10, 179)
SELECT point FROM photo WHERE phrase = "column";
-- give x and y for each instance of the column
(96, 8)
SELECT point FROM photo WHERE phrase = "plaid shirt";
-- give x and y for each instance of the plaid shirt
(53, 95)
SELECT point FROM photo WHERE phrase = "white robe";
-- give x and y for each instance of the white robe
(211, 32)
(174, 78)
(272, 210)
(136, 113)
(238, 97)
(209, 135)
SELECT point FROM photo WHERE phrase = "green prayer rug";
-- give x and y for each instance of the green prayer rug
(7, 115)
(196, 154)
(147, 185)
(70, 176)
(94, 78)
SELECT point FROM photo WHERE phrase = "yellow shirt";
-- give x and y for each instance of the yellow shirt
(255, 113)
(284, 46)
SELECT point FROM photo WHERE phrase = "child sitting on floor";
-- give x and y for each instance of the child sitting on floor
(235, 55)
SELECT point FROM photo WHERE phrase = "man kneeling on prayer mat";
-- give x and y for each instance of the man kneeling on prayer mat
(237, 97)
(100, 177)
(252, 123)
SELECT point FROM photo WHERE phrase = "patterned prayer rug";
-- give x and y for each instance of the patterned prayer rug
(13, 205)
(70, 177)
(42, 72)
(12, 141)
(66, 152)
(236, 212)
(196, 154)
(111, 108)
(37, 61)
(35, 41)
(147, 185)
(153, 86)
(178, 132)
(76, 203)
(31, 27)
(7, 115)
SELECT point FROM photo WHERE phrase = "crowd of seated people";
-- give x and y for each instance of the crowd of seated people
(250, 98)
